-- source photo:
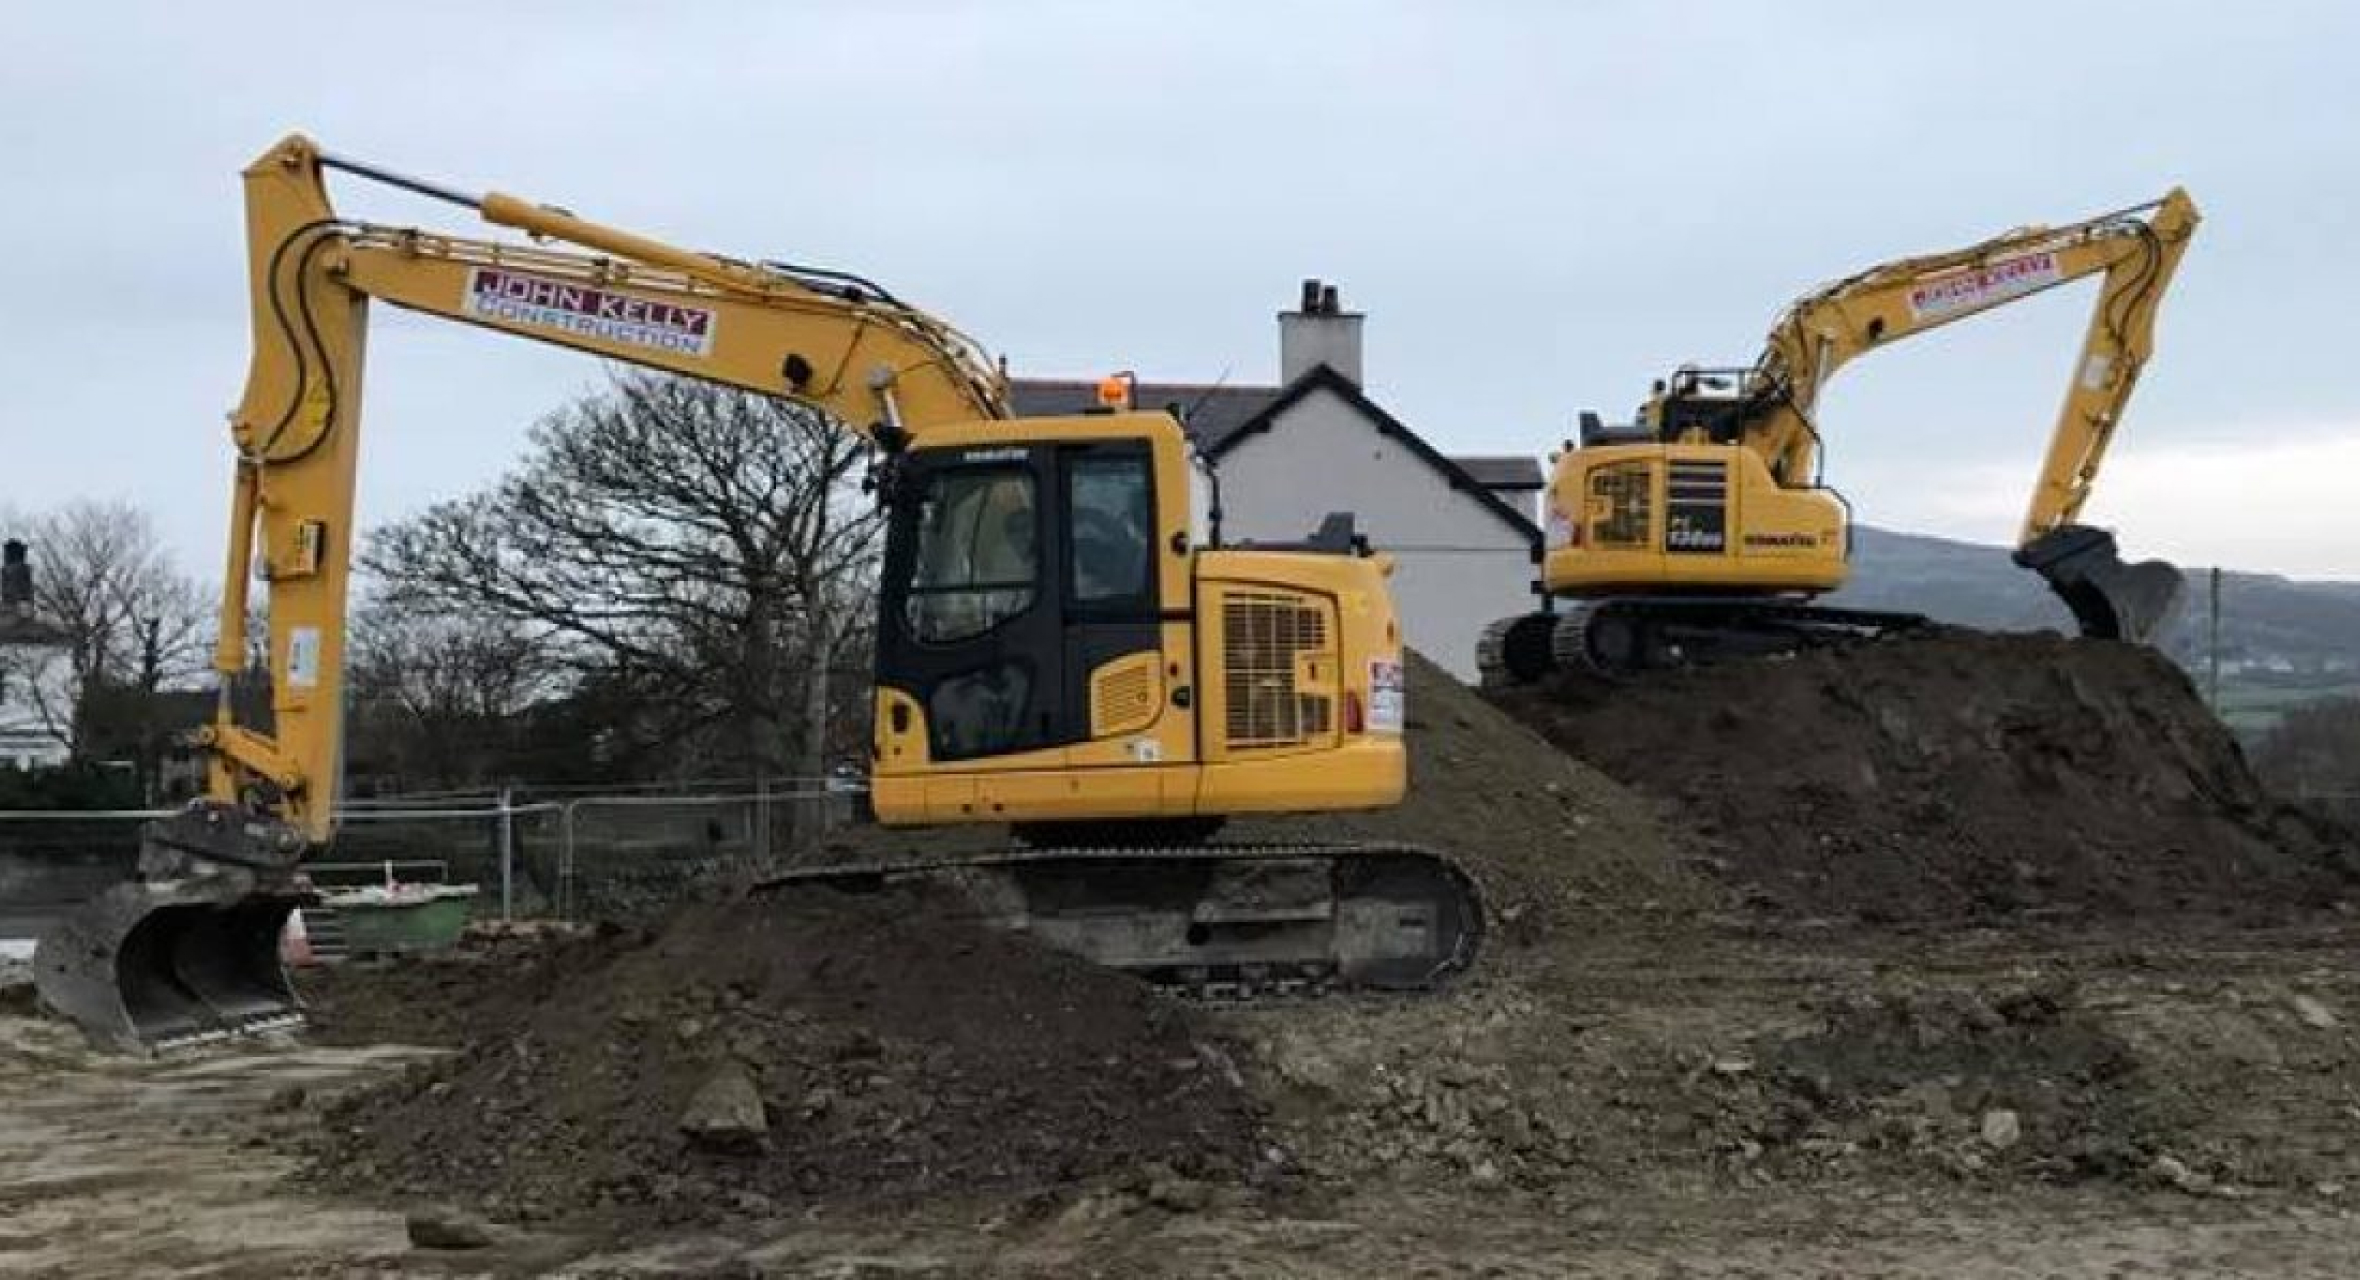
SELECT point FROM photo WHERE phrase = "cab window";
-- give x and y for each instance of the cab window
(1111, 520)
(978, 558)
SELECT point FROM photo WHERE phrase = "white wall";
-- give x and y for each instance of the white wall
(1461, 565)
(28, 737)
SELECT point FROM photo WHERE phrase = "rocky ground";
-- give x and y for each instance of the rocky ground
(2023, 1101)
(2087, 1040)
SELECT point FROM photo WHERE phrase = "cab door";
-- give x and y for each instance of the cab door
(1112, 598)
(1022, 599)
(972, 627)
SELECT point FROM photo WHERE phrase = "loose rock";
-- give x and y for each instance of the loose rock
(444, 1227)
(2313, 1012)
(2001, 1129)
(726, 1110)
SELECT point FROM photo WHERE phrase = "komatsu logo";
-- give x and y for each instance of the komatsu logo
(1769, 540)
(1985, 286)
(511, 297)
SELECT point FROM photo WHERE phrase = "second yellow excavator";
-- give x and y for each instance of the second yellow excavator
(1704, 529)
(1064, 645)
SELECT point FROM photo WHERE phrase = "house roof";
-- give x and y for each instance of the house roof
(22, 628)
(1323, 378)
(1213, 411)
(1501, 471)
(1220, 416)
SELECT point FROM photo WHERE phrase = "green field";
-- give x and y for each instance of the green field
(2252, 709)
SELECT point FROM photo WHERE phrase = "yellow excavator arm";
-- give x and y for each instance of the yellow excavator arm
(2137, 250)
(885, 369)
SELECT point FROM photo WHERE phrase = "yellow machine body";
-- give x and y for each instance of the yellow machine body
(1704, 527)
(1686, 518)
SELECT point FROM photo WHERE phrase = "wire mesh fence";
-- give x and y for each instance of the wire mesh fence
(527, 853)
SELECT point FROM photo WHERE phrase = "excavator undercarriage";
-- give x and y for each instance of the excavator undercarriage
(190, 951)
(1623, 637)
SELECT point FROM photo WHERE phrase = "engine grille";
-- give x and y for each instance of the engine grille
(1280, 670)
(1123, 695)
(1629, 491)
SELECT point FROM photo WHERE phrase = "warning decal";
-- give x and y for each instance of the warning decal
(1388, 699)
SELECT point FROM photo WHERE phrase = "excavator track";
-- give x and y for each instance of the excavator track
(1216, 922)
(1628, 636)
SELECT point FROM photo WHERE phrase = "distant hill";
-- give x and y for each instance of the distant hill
(2282, 641)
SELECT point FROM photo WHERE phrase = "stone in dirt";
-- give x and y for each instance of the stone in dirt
(726, 1110)
(2002, 1129)
(2314, 1012)
(443, 1227)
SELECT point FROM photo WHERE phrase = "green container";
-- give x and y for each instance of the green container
(403, 923)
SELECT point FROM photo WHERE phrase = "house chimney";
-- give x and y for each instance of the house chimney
(16, 577)
(1321, 332)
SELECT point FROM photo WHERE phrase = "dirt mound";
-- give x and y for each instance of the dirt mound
(883, 1048)
(2018, 1078)
(1552, 840)
(1954, 775)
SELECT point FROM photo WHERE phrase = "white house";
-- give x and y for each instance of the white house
(1461, 528)
(32, 655)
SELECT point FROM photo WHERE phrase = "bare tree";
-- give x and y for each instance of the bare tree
(134, 626)
(709, 545)
(434, 697)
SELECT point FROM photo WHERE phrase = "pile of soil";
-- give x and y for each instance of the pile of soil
(1954, 775)
(895, 1050)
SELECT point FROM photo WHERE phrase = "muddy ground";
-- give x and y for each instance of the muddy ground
(1805, 1020)
(1732, 1103)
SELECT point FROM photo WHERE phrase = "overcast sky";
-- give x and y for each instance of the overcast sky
(1540, 206)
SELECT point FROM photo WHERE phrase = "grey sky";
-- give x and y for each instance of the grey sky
(1541, 206)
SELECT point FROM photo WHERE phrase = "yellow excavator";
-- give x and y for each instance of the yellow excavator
(1704, 530)
(1063, 644)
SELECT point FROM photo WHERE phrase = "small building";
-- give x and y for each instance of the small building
(32, 657)
(1462, 528)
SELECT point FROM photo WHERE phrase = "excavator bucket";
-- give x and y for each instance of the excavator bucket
(158, 966)
(188, 952)
(2109, 599)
